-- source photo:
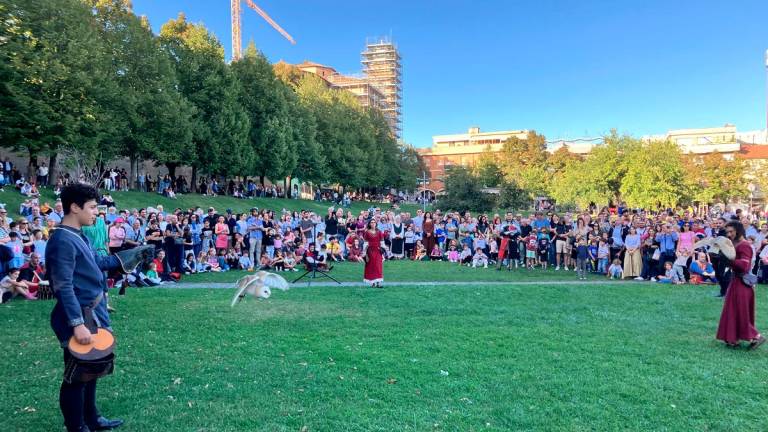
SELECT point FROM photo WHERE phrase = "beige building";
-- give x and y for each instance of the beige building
(461, 149)
(367, 95)
(702, 140)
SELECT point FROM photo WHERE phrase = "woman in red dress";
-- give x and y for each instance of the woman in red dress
(737, 322)
(374, 264)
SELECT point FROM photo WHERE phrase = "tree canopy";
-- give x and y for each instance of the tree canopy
(91, 77)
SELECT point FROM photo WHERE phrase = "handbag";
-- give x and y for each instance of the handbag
(749, 279)
(656, 255)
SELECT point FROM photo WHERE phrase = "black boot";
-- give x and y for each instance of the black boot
(103, 424)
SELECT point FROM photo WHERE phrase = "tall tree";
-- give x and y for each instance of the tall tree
(524, 161)
(517, 152)
(655, 176)
(597, 178)
(410, 167)
(715, 178)
(265, 102)
(158, 119)
(56, 87)
(487, 168)
(463, 192)
(220, 125)
(557, 161)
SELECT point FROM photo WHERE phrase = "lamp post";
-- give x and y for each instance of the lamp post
(751, 189)
(423, 181)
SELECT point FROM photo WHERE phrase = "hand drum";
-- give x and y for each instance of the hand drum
(102, 344)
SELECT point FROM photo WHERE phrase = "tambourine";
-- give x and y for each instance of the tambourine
(102, 344)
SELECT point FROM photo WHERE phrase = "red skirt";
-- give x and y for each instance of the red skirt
(503, 248)
(374, 268)
(737, 322)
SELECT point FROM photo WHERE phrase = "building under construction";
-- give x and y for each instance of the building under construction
(378, 87)
(382, 69)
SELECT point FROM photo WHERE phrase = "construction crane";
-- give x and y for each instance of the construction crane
(237, 39)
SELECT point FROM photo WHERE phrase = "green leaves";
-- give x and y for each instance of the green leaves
(91, 77)
(463, 191)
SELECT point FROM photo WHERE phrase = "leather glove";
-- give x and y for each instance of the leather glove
(131, 258)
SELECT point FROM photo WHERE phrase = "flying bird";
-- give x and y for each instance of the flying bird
(717, 244)
(259, 285)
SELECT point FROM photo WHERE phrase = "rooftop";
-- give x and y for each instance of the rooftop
(754, 151)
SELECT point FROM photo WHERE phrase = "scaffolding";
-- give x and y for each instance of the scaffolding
(383, 70)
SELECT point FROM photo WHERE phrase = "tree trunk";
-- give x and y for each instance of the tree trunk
(193, 182)
(30, 175)
(53, 169)
(261, 180)
(287, 187)
(133, 172)
(171, 169)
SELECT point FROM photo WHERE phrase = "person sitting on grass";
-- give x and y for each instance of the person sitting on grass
(353, 248)
(421, 252)
(222, 258)
(465, 257)
(265, 262)
(322, 258)
(670, 275)
(233, 261)
(453, 254)
(33, 272)
(334, 249)
(436, 254)
(213, 261)
(309, 257)
(163, 268)
(244, 261)
(616, 270)
(202, 263)
(11, 285)
(189, 266)
(278, 262)
(290, 261)
(479, 258)
(152, 275)
(702, 271)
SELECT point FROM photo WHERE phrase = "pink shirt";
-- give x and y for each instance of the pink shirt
(686, 240)
(116, 236)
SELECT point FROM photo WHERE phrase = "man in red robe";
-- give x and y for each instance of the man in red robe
(737, 322)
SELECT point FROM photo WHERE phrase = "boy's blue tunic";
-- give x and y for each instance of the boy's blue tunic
(76, 275)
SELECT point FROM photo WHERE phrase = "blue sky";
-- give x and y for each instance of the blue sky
(564, 68)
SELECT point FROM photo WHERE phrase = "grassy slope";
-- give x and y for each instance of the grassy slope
(13, 199)
(570, 358)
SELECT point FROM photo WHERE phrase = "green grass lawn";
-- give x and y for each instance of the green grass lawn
(128, 200)
(410, 271)
(607, 357)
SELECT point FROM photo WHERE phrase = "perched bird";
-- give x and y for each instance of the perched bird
(259, 285)
(717, 244)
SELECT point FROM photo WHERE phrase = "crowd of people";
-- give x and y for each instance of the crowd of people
(614, 242)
